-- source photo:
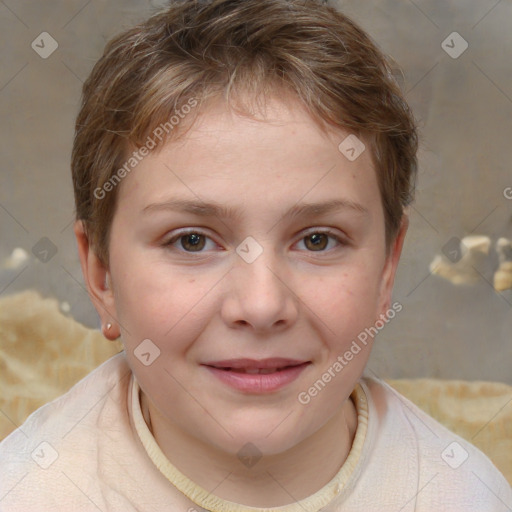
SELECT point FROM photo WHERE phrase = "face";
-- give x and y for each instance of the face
(251, 254)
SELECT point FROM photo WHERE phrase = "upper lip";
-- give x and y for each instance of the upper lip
(273, 362)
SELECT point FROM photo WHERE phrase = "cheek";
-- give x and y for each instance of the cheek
(346, 299)
(155, 302)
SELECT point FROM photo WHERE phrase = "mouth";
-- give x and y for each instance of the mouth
(254, 371)
(254, 366)
(257, 376)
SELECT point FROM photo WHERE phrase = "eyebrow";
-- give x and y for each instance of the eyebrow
(218, 210)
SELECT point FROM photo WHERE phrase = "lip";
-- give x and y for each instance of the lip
(271, 362)
(257, 383)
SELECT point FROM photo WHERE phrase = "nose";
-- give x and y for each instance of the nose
(260, 297)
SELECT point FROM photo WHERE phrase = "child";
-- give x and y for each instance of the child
(242, 171)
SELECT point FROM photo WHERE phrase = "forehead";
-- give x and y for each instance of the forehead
(225, 154)
(279, 126)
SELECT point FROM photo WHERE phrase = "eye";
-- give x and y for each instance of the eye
(197, 241)
(319, 241)
(190, 241)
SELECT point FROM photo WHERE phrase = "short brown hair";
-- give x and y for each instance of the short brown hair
(198, 50)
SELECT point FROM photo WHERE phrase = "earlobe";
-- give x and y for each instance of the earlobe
(98, 282)
(392, 259)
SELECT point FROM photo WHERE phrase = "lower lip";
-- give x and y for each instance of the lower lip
(257, 382)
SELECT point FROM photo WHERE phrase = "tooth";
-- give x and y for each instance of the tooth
(252, 370)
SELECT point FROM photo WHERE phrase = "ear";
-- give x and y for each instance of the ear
(99, 284)
(389, 270)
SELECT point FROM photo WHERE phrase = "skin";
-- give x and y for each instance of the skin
(292, 301)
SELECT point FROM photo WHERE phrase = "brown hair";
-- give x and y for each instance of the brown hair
(197, 50)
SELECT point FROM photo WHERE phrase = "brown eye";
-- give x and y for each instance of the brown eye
(193, 242)
(322, 242)
(190, 241)
(316, 241)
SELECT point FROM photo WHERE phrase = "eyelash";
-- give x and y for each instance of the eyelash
(168, 244)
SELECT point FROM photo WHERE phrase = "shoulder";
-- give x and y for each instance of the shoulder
(445, 470)
(62, 436)
(111, 377)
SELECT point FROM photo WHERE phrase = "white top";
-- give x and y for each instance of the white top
(91, 450)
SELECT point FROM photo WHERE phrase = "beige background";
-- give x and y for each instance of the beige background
(465, 110)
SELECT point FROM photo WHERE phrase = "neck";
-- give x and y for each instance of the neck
(271, 481)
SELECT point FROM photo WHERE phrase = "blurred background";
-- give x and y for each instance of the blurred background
(455, 57)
